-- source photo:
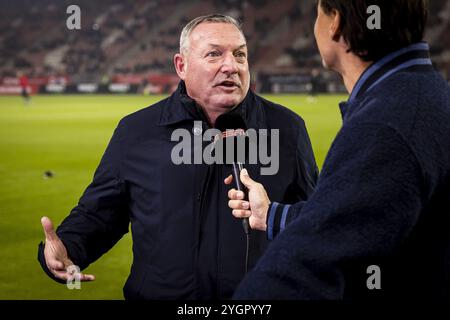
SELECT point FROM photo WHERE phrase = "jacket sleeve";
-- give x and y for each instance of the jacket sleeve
(100, 219)
(368, 198)
(280, 215)
(305, 182)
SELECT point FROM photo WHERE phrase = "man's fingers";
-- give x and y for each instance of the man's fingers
(73, 273)
(228, 180)
(80, 276)
(246, 180)
(241, 213)
(48, 229)
(55, 265)
(64, 275)
(239, 204)
(87, 277)
(233, 194)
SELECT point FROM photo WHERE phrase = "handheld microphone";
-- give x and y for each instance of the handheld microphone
(232, 125)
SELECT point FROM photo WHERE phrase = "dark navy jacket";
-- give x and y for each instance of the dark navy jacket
(382, 198)
(186, 243)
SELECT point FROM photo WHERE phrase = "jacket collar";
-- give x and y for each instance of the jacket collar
(180, 107)
(414, 56)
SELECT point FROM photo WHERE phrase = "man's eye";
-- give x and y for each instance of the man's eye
(240, 54)
(213, 54)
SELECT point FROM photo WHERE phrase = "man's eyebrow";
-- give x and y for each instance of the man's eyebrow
(219, 46)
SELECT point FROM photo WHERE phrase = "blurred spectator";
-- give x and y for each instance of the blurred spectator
(24, 85)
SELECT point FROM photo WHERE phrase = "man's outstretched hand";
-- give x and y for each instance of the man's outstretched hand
(58, 262)
(257, 205)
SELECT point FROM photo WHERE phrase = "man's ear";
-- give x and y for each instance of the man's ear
(179, 60)
(335, 26)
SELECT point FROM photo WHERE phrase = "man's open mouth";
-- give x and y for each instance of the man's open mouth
(228, 84)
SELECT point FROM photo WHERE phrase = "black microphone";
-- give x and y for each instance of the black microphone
(233, 126)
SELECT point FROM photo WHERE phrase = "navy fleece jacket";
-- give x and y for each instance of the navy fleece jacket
(383, 197)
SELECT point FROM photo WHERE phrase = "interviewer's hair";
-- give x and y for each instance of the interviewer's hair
(211, 18)
(402, 23)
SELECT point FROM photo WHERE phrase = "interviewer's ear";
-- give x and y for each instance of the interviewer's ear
(335, 26)
(179, 60)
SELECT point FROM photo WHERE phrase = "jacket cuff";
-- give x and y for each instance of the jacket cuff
(276, 219)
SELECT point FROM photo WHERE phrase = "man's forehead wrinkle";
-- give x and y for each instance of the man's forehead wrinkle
(204, 44)
(201, 33)
(215, 45)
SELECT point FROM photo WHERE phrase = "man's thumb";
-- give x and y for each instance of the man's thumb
(246, 180)
(48, 229)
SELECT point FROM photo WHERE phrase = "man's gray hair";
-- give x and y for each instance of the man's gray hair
(211, 18)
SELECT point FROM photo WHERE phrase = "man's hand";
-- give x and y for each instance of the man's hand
(56, 255)
(256, 208)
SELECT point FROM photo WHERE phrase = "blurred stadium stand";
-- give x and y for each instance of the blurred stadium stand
(128, 45)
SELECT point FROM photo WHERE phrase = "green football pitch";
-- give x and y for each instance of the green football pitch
(67, 135)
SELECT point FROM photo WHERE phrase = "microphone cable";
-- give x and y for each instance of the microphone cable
(232, 125)
(237, 167)
(247, 236)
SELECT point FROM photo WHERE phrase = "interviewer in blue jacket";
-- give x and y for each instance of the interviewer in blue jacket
(378, 223)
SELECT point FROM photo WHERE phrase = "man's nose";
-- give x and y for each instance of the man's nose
(229, 65)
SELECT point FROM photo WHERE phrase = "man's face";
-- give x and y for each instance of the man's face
(215, 66)
(324, 38)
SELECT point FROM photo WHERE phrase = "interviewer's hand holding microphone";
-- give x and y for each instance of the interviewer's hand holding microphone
(257, 206)
(56, 257)
(254, 211)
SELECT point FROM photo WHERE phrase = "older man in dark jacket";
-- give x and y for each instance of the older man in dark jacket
(186, 244)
